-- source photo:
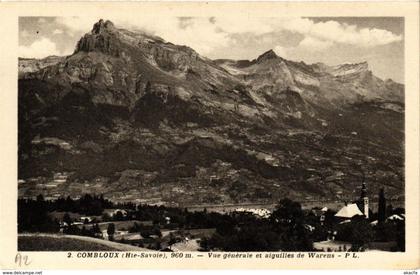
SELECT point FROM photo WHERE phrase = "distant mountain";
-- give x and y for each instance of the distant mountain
(135, 117)
(29, 65)
(333, 85)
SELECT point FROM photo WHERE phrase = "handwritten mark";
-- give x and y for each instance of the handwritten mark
(22, 260)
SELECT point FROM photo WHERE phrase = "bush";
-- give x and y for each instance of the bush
(358, 232)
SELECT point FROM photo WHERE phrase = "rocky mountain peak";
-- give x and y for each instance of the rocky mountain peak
(350, 68)
(102, 26)
(102, 38)
(270, 54)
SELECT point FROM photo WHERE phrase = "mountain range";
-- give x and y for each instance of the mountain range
(135, 117)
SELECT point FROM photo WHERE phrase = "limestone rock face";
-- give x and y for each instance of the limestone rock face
(270, 54)
(102, 38)
(319, 83)
(347, 69)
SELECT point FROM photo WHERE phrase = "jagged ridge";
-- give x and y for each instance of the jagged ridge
(129, 103)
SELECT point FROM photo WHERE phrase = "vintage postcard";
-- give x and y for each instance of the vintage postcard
(209, 135)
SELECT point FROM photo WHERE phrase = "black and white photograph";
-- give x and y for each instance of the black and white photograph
(204, 134)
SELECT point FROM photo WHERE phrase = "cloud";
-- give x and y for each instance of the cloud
(308, 44)
(315, 44)
(255, 26)
(200, 33)
(281, 51)
(76, 25)
(24, 34)
(335, 32)
(207, 34)
(58, 31)
(40, 48)
(185, 22)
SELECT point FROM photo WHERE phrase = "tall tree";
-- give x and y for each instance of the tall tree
(111, 231)
(381, 206)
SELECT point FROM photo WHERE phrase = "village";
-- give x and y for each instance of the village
(354, 226)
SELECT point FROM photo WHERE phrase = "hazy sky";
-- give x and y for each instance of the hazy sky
(333, 40)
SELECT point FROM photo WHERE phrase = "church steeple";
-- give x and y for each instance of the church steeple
(364, 191)
(364, 201)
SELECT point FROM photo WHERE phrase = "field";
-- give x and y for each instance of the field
(57, 242)
(190, 245)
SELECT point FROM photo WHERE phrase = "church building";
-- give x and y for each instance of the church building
(359, 207)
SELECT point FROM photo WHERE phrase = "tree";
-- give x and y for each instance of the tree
(118, 216)
(172, 239)
(33, 216)
(84, 231)
(288, 222)
(381, 206)
(111, 231)
(320, 233)
(358, 232)
(204, 244)
(157, 232)
(40, 198)
(288, 212)
(96, 228)
(389, 210)
(95, 208)
(401, 235)
(145, 233)
(67, 219)
(329, 218)
(106, 217)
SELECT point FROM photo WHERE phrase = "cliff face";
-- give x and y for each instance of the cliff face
(320, 83)
(135, 112)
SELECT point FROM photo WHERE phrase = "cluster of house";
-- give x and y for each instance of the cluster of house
(89, 219)
(259, 212)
